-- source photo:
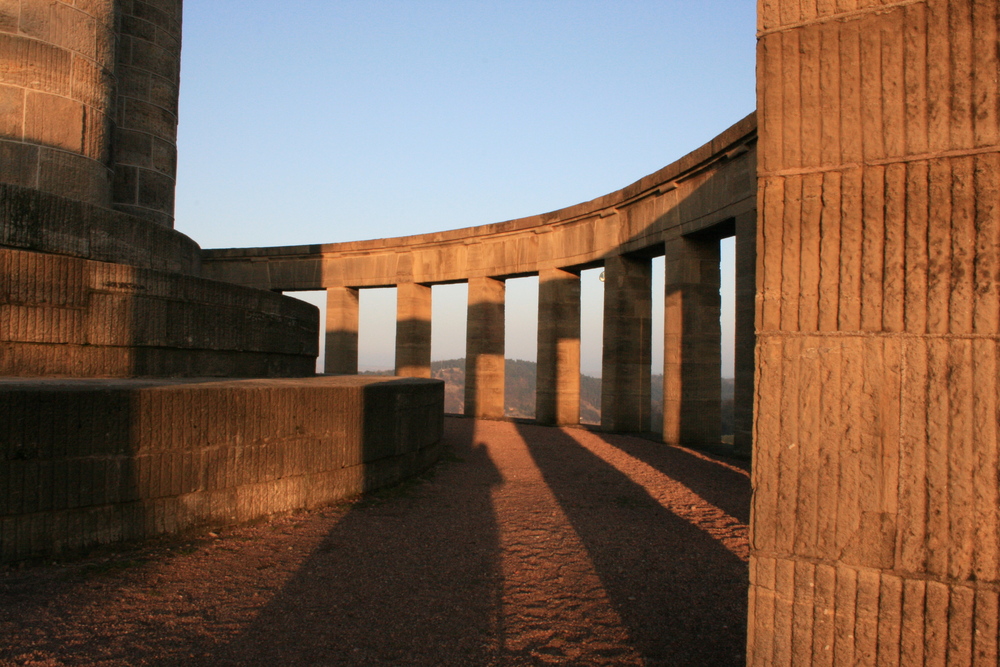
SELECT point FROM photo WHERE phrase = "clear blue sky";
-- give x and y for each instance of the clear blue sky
(326, 121)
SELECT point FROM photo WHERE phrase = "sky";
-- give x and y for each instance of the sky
(325, 121)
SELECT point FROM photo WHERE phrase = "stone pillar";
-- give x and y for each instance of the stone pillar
(341, 331)
(484, 355)
(413, 330)
(625, 403)
(746, 338)
(57, 97)
(148, 72)
(876, 505)
(557, 393)
(692, 342)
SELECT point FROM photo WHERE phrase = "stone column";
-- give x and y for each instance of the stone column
(557, 393)
(341, 331)
(627, 344)
(148, 72)
(484, 355)
(57, 97)
(413, 330)
(692, 342)
(746, 338)
(876, 506)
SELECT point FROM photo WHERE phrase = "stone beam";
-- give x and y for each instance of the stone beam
(484, 351)
(691, 342)
(341, 331)
(413, 330)
(627, 344)
(557, 392)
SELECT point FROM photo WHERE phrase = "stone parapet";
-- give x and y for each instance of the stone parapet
(89, 462)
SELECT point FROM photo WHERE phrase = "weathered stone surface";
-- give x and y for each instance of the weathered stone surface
(57, 76)
(87, 462)
(876, 413)
(67, 316)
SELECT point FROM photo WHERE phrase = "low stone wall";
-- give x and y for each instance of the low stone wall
(89, 462)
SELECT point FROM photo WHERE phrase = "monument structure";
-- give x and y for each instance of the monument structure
(103, 307)
(867, 319)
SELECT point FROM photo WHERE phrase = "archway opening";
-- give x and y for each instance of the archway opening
(377, 331)
(449, 319)
(520, 346)
(591, 344)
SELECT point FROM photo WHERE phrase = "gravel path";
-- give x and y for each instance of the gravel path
(526, 546)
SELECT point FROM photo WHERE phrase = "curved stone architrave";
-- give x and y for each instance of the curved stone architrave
(709, 186)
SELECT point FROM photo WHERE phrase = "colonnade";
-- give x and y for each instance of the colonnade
(680, 213)
(692, 338)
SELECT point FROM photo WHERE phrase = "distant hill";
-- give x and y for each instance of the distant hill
(519, 392)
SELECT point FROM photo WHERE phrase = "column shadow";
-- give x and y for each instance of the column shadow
(681, 595)
(409, 577)
(719, 481)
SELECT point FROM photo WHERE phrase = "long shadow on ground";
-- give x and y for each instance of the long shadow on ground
(690, 606)
(409, 576)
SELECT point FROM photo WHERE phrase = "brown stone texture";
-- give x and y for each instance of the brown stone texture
(557, 392)
(88, 462)
(413, 330)
(57, 107)
(148, 71)
(34, 220)
(625, 360)
(875, 533)
(528, 546)
(692, 341)
(484, 349)
(342, 308)
(67, 316)
(745, 364)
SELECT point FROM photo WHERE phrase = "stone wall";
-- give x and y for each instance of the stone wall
(876, 517)
(88, 462)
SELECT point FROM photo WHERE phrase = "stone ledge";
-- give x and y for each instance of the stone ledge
(43, 222)
(73, 317)
(89, 462)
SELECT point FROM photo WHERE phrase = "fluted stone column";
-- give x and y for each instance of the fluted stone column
(692, 342)
(625, 402)
(557, 393)
(484, 351)
(746, 338)
(876, 508)
(342, 331)
(413, 330)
